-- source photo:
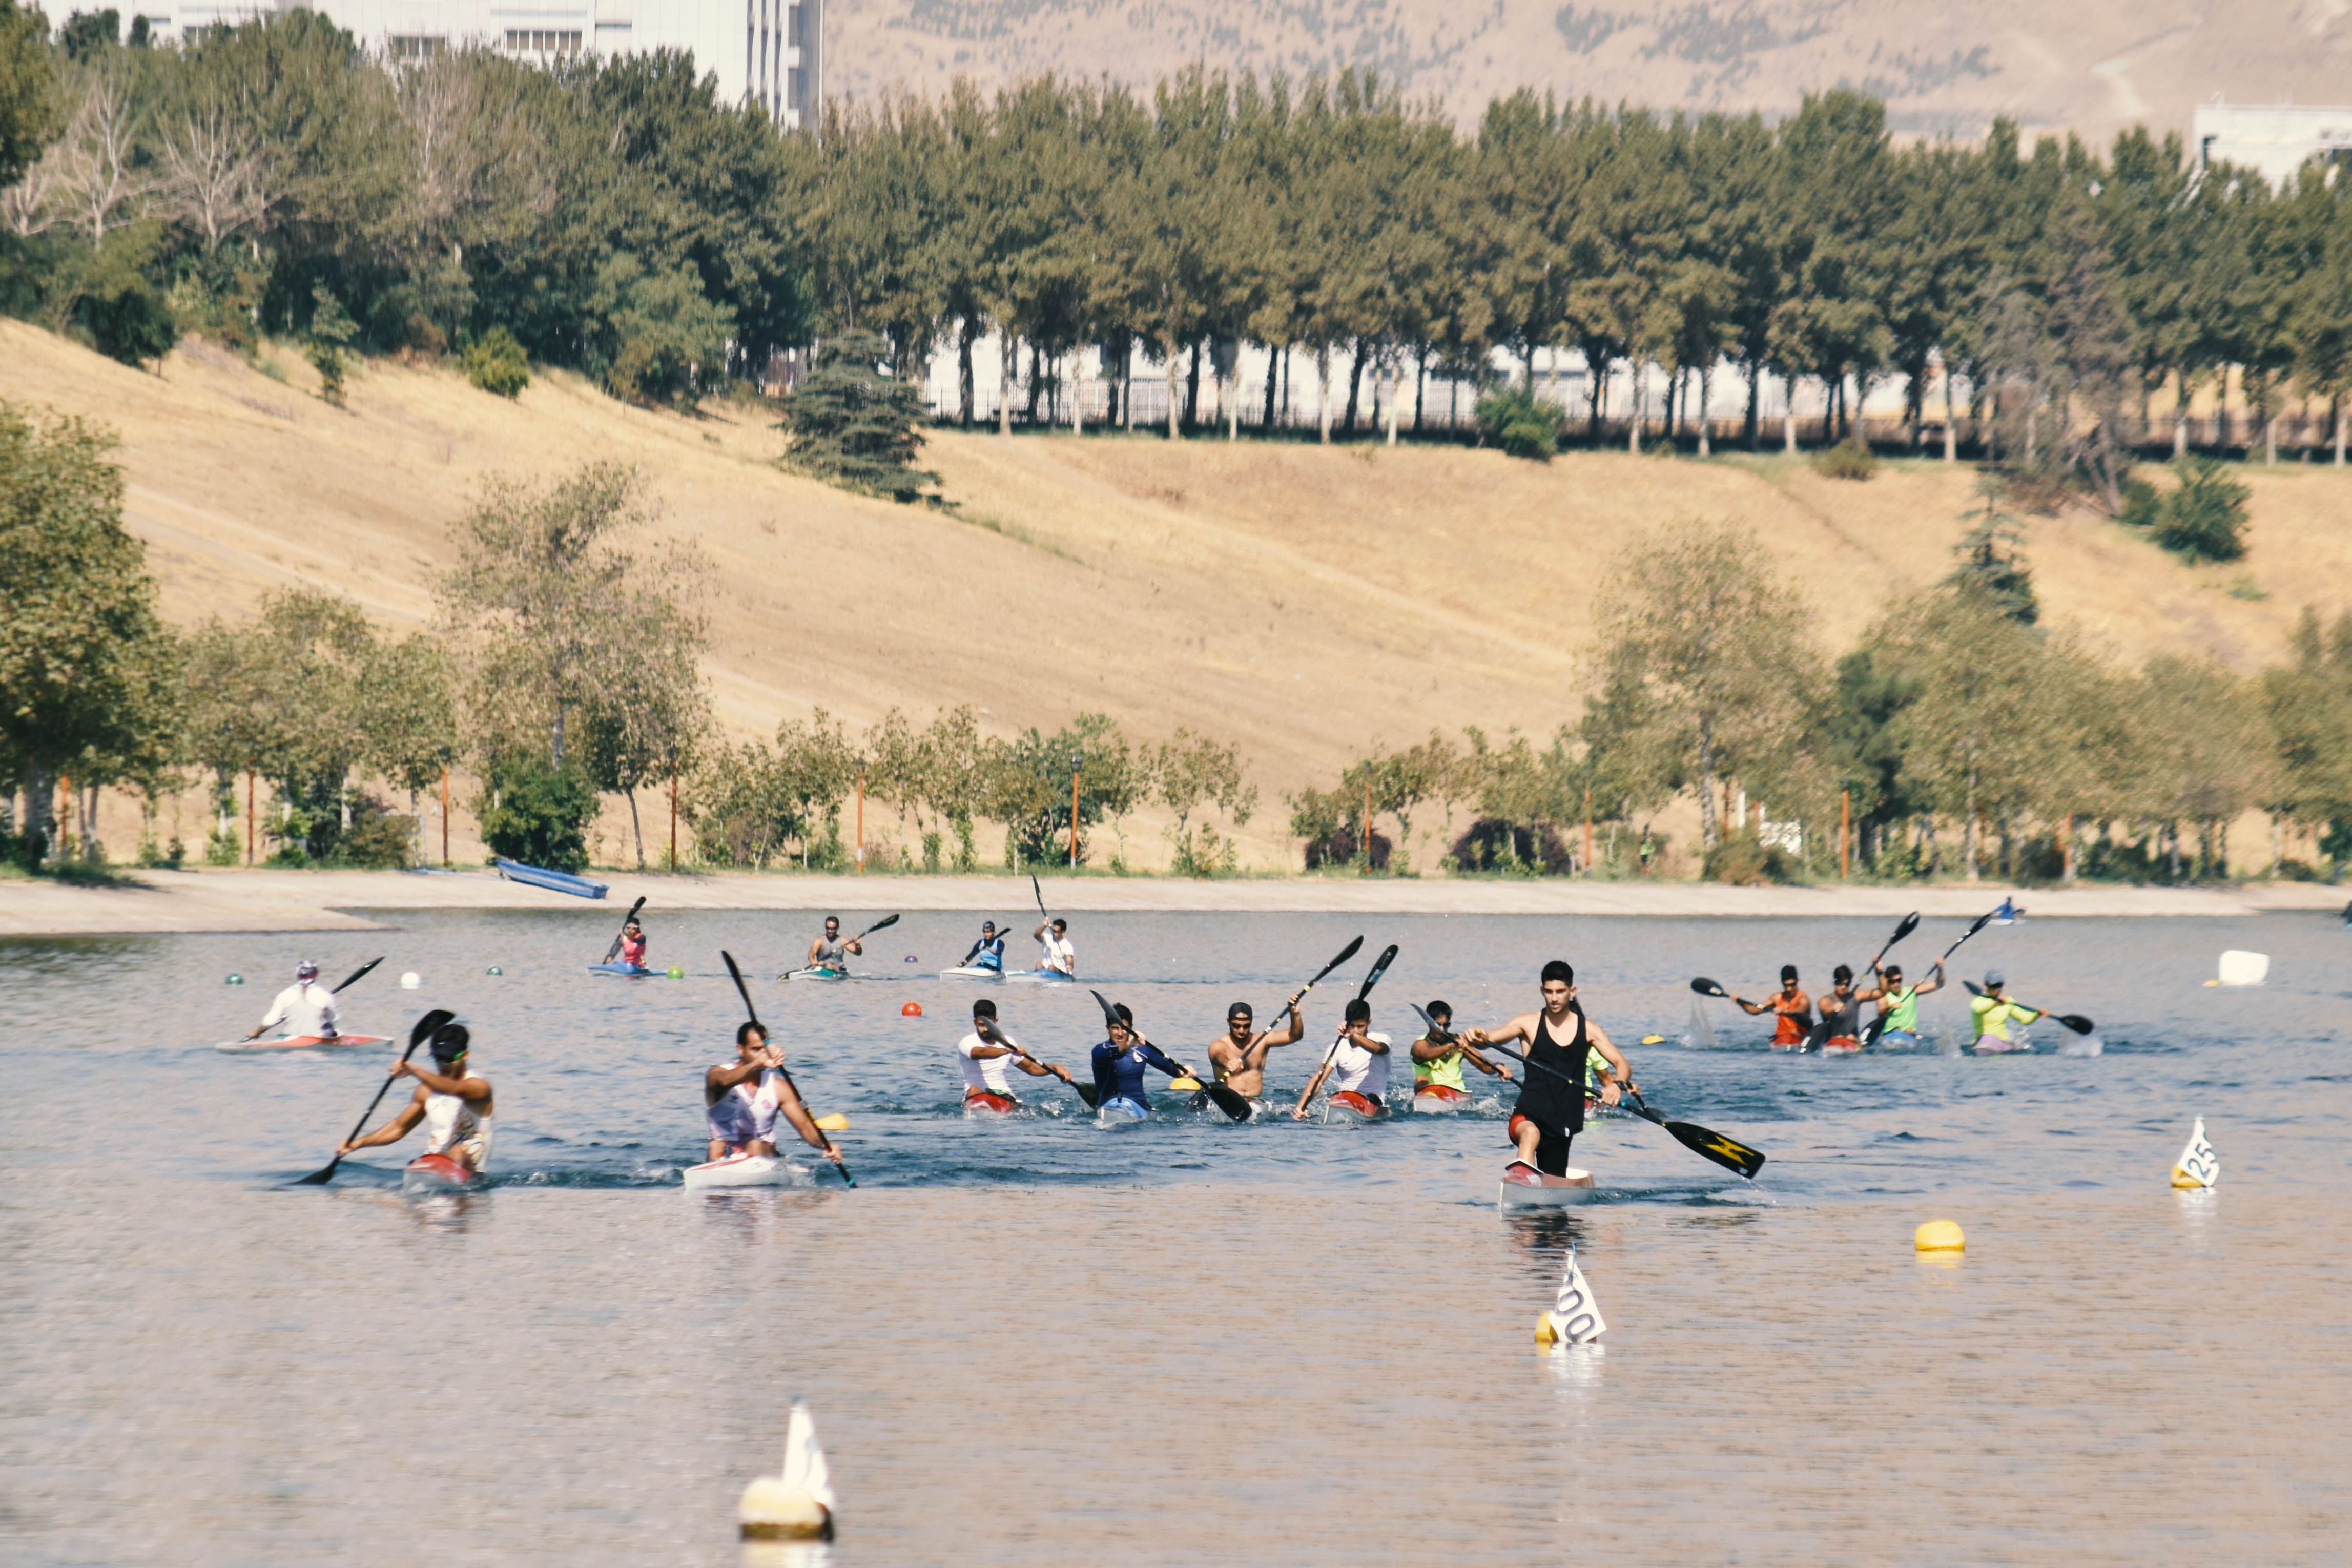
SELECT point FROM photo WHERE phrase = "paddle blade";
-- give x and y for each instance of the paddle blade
(837, 1122)
(883, 924)
(1727, 1153)
(1379, 967)
(1345, 954)
(1706, 987)
(1872, 1030)
(1973, 988)
(1184, 1085)
(1110, 1013)
(357, 976)
(741, 989)
(1037, 891)
(1229, 1101)
(427, 1026)
(320, 1178)
(1910, 923)
(2076, 1021)
(1091, 1095)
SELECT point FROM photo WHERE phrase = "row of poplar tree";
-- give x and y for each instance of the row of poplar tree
(1958, 736)
(562, 665)
(611, 214)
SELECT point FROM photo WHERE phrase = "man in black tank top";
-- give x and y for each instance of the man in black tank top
(1551, 1110)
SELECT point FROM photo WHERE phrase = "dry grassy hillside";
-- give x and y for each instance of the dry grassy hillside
(2094, 67)
(1310, 603)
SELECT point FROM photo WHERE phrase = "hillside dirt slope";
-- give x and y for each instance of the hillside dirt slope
(1311, 602)
(2094, 67)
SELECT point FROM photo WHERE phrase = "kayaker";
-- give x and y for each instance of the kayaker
(1120, 1062)
(829, 951)
(1899, 1004)
(1551, 1108)
(988, 952)
(1840, 1028)
(742, 1099)
(633, 944)
(1992, 1013)
(1791, 1010)
(988, 1055)
(1239, 1053)
(1437, 1068)
(1054, 951)
(305, 1008)
(452, 1100)
(1358, 1067)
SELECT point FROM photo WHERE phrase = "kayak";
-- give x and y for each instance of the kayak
(301, 1043)
(1117, 1115)
(745, 1170)
(1524, 1187)
(1991, 1046)
(553, 881)
(821, 972)
(972, 972)
(1347, 1107)
(1840, 1046)
(437, 1173)
(987, 1105)
(623, 968)
(1041, 977)
(1438, 1100)
(1898, 1040)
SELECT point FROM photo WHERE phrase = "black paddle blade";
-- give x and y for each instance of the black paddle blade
(741, 989)
(428, 1025)
(1110, 1013)
(1229, 1100)
(1087, 1092)
(1345, 954)
(1372, 978)
(357, 974)
(1872, 1030)
(2076, 1021)
(1429, 1029)
(1706, 987)
(1910, 923)
(1039, 891)
(1727, 1153)
(886, 921)
(1973, 988)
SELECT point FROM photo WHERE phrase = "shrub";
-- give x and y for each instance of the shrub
(1493, 845)
(538, 817)
(2143, 504)
(497, 363)
(380, 839)
(1520, 423)
(1849, 460)
(325, 344)
(1745, 861)
(1339, 848)
(2205, 519)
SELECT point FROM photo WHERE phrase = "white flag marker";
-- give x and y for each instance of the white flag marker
(2198, 1166)
(1575, 1318)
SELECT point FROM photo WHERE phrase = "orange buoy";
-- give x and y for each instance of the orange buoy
(911, 1010)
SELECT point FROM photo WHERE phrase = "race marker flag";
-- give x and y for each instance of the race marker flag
(1575, 1318)
(2198, 1166)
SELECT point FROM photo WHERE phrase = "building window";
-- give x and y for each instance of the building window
(406, 48)
(796, 99)
(792, 26)
(541, 41)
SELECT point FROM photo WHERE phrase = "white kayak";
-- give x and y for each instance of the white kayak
(746, 1171)
(1524, 1187)
(972, 972)
(301, 1043)
(1040, 977)
(437, 1173)
(819, 974)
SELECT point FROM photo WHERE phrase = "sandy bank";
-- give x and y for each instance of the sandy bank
(230, 901)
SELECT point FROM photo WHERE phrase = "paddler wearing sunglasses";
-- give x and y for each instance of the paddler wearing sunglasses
(1239, 1053)
(454, 1102)
(1551, 1108)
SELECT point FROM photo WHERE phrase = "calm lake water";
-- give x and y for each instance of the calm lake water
(1033, 1343)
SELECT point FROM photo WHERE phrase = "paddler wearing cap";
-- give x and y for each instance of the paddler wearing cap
(1992, 1013)
(742, 1099)
(452, 1100)
(988, 1056)
(1358, 1067)
(1437, 1067)
(1551, 1108)
(305, 1008)
(1119, 1061)
(1239, 1053)
(1898, 1004)
(1791, 1011)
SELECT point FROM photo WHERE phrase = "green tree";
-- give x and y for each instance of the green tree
(853, 424)
(1991, 562)
(31, 113)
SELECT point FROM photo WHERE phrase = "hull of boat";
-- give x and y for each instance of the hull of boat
(1349, 1109)
(982, 1105)
(437, 1173)
(301, 1043)
(972, 972)
(1039, 977)
(632, 970)
(743, 1171)
(553, 881)
(1524, 1187)
(1438, 1100)
(1120, 1115)
(815, 974)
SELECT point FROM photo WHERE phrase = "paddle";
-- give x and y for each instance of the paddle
(987, 1030)
(613, 952)
(1706, 987)
(1728, 1153)
(785, 1073)
(349, 980)
(1869, 1031)
(1227, 1100)
(416, 1037)
(974, 951)
(1437, 1037)
(1372, 978)
(2075, 1021)
(1345, 954)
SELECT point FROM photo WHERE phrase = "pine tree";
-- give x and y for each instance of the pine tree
(852, 424)
(1991, 562)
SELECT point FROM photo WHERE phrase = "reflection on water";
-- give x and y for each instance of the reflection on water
(1034, 1344)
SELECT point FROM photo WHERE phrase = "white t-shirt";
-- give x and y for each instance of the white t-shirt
(994, 1074)
(305, 1008)
(1057, 954)
(1365, 1072)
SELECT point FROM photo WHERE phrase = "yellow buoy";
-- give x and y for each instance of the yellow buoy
(774, 1510)
(1547, 1331)
(1939, 1236)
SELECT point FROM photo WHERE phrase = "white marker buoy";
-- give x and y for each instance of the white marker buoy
(798, 1504)
(2199, 1166)
(2240, 967)
(1575, 1318)
(411, 981)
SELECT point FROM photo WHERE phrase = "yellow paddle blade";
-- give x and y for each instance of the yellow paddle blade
(1653, 1039)
(1183, 1085)
(837, 1122)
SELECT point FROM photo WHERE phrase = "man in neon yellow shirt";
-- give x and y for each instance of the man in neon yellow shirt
(1992, 1015)
(1437, 1058)
(1898, 1004)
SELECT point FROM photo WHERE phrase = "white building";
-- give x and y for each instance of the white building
(769, 52)
(2274, 139)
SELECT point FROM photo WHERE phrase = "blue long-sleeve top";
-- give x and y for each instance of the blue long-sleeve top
(1121, 1072)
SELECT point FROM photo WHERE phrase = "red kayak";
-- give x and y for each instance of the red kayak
(986, 1102)
(1346, 1106)
(1437, 1099)
(437, 1173)
(302, 1043)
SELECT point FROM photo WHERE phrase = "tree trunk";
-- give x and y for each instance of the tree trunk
(1755, 404)
(963, 369)
(1951, 420)
(1356, 388)
(1634, 390)
(1036, 383)
(1709, 831)
(39, 826)
(1788, 417)
(1078, 392)
(636, 828)
(1389, 392)
(1006, 364)
(1126, 388)
(1175, 406)
(2337, 403)
(1600, 385)
(2180, 418)
(1706, 408)
(1323, 389)
(1273, 376)
(1192, 388)
(1419, 388)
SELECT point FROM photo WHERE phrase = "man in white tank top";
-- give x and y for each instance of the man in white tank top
(454, 1103)
(742, 1100)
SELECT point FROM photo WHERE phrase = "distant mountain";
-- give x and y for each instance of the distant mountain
(2094, 65)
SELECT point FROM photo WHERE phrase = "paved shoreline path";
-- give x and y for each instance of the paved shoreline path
(241, 901)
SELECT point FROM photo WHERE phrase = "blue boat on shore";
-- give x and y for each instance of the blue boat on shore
(553, 881)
